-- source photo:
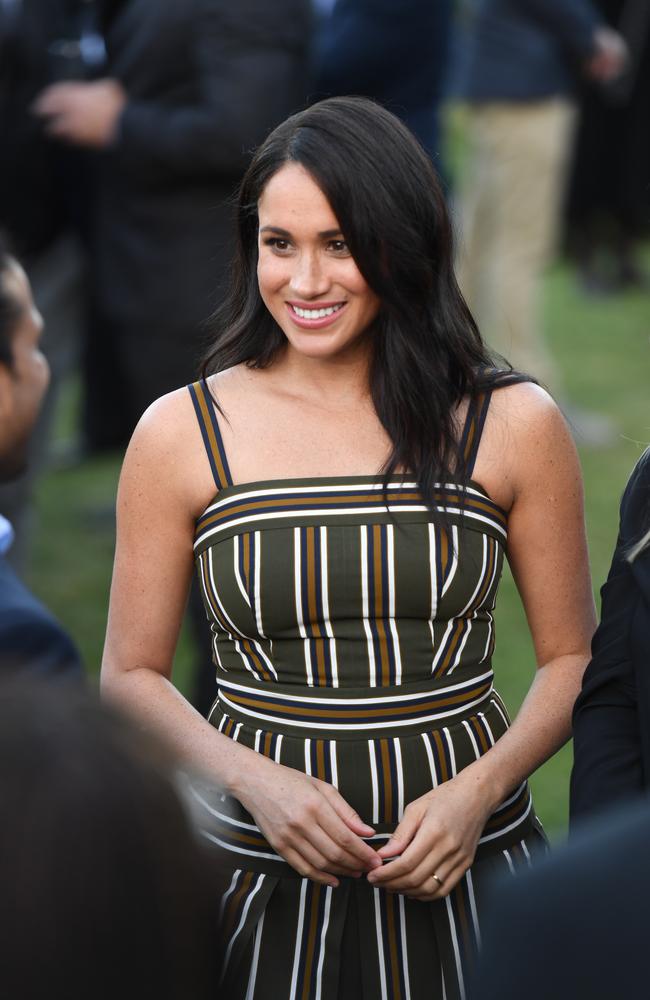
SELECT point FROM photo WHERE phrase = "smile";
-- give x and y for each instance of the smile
(315, 317)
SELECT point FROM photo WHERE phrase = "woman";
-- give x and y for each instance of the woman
(612, 714)
(366, 757)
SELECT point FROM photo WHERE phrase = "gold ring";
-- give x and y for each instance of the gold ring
(438, 879)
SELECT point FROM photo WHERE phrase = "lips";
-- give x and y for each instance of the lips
(313, 316)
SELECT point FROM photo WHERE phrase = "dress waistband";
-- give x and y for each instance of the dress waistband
(346, 712)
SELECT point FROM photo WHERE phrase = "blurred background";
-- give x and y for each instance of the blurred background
(125, 127)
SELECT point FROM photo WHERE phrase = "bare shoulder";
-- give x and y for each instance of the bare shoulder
(166, 455)
(526, 440)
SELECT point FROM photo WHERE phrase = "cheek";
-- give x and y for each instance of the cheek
(271, 275)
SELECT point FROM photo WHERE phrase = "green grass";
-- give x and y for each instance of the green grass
(602, 347)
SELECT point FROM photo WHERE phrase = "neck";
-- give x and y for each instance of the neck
(342, 379)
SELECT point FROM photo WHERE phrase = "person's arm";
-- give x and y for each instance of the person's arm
(247, 64)
(547, 552)
(580, 29)
(607, 743)
(305, 819)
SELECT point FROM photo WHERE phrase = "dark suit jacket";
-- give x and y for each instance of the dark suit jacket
(612, 714)
(576, 927)
(206, 81)
(31, 640)
(526, 50)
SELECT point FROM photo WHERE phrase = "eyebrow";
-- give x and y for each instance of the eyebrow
(325, 234)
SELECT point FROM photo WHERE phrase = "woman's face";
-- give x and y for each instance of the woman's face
(307, 277)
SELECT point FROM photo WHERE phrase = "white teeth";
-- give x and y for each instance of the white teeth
(316, 313)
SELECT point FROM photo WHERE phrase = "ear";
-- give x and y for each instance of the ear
(6, 394)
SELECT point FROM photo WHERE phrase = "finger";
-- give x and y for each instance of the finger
(420, 877)
(425, 847)
(431, 891)
(342, 835)
(335, 853)
(402, 837)
(343, 809)
(304, 868)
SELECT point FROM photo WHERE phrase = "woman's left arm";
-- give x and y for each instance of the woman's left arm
(547, 552)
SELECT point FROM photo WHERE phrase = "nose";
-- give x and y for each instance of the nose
(309, 278)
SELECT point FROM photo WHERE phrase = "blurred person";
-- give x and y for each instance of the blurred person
(395, 53)
(522, 61)
(190, 89)
(106, 891)
(31, 640)
(44, 203)
(351, 595)
(575, 927)
(611, 720)
(608, 207)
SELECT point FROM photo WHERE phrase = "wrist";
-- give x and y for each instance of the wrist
(484, 785)
(251, 769)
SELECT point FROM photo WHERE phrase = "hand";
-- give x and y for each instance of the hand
(85, 114)
(309, 823)
(438, 834)
(609, 57)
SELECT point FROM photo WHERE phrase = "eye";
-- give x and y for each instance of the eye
(339, 247)
(277, 243)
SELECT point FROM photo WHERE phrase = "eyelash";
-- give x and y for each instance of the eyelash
(274, 241)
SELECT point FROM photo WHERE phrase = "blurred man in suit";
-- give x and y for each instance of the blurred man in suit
(190, 89)
(30, 638)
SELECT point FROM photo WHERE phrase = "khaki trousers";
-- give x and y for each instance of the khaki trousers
(509, 210)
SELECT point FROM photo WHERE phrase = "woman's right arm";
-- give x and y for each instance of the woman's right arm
(306, 820)
(608, 763)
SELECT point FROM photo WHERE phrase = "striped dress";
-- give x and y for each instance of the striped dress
(353, 643)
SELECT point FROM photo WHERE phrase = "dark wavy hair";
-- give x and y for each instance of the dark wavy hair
(384, 192)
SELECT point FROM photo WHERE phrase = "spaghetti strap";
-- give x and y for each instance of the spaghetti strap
(211, 433)
(473, 429)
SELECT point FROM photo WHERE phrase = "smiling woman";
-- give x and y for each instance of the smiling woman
(368, 468)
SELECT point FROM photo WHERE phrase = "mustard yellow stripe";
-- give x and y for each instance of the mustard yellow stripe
(390, 903)
(388, 782)
(311, 939)
(437, 739)
(207, 421)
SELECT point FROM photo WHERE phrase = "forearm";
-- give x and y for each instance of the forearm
(160, 707)
(542, 726)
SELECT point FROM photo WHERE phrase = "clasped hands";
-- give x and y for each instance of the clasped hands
(318, 833)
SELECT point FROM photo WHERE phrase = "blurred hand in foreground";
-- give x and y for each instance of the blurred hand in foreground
(609, 57)
(85, 114)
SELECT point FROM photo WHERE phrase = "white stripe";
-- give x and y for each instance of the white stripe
(278, 748)
(461, 646)
(241, 850)
(308, 757)
(405, 966)
(442, 646)
(353, 484)
(297, 575)
(454, 560)
(380, 946)
(333, 764)
(433, 572)
(390, 545)
(326, 605)
(477, 752)
(345, 511)
(214, 706)
(450, 748)
(365, 607)
(238, 646)
(312, 700)
(454, 941)
(236, 732)
(247, 906)
(258, 738)
(374, 782)
(490, 621)
(472, 906)
(366, 727)
(501, 712)
(214, 627)
(236, 557)
(481, 580)
(222, 723)
(400, 778)
(321, 957)
(432, 765)
(250, 992)
(257, 589)
(526, 853)
(229, 891)
(486, 838)
(296, 956)
(506, 855)
(490, 734)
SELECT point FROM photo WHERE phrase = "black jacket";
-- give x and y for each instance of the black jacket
(206, 81)
(612, 714)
